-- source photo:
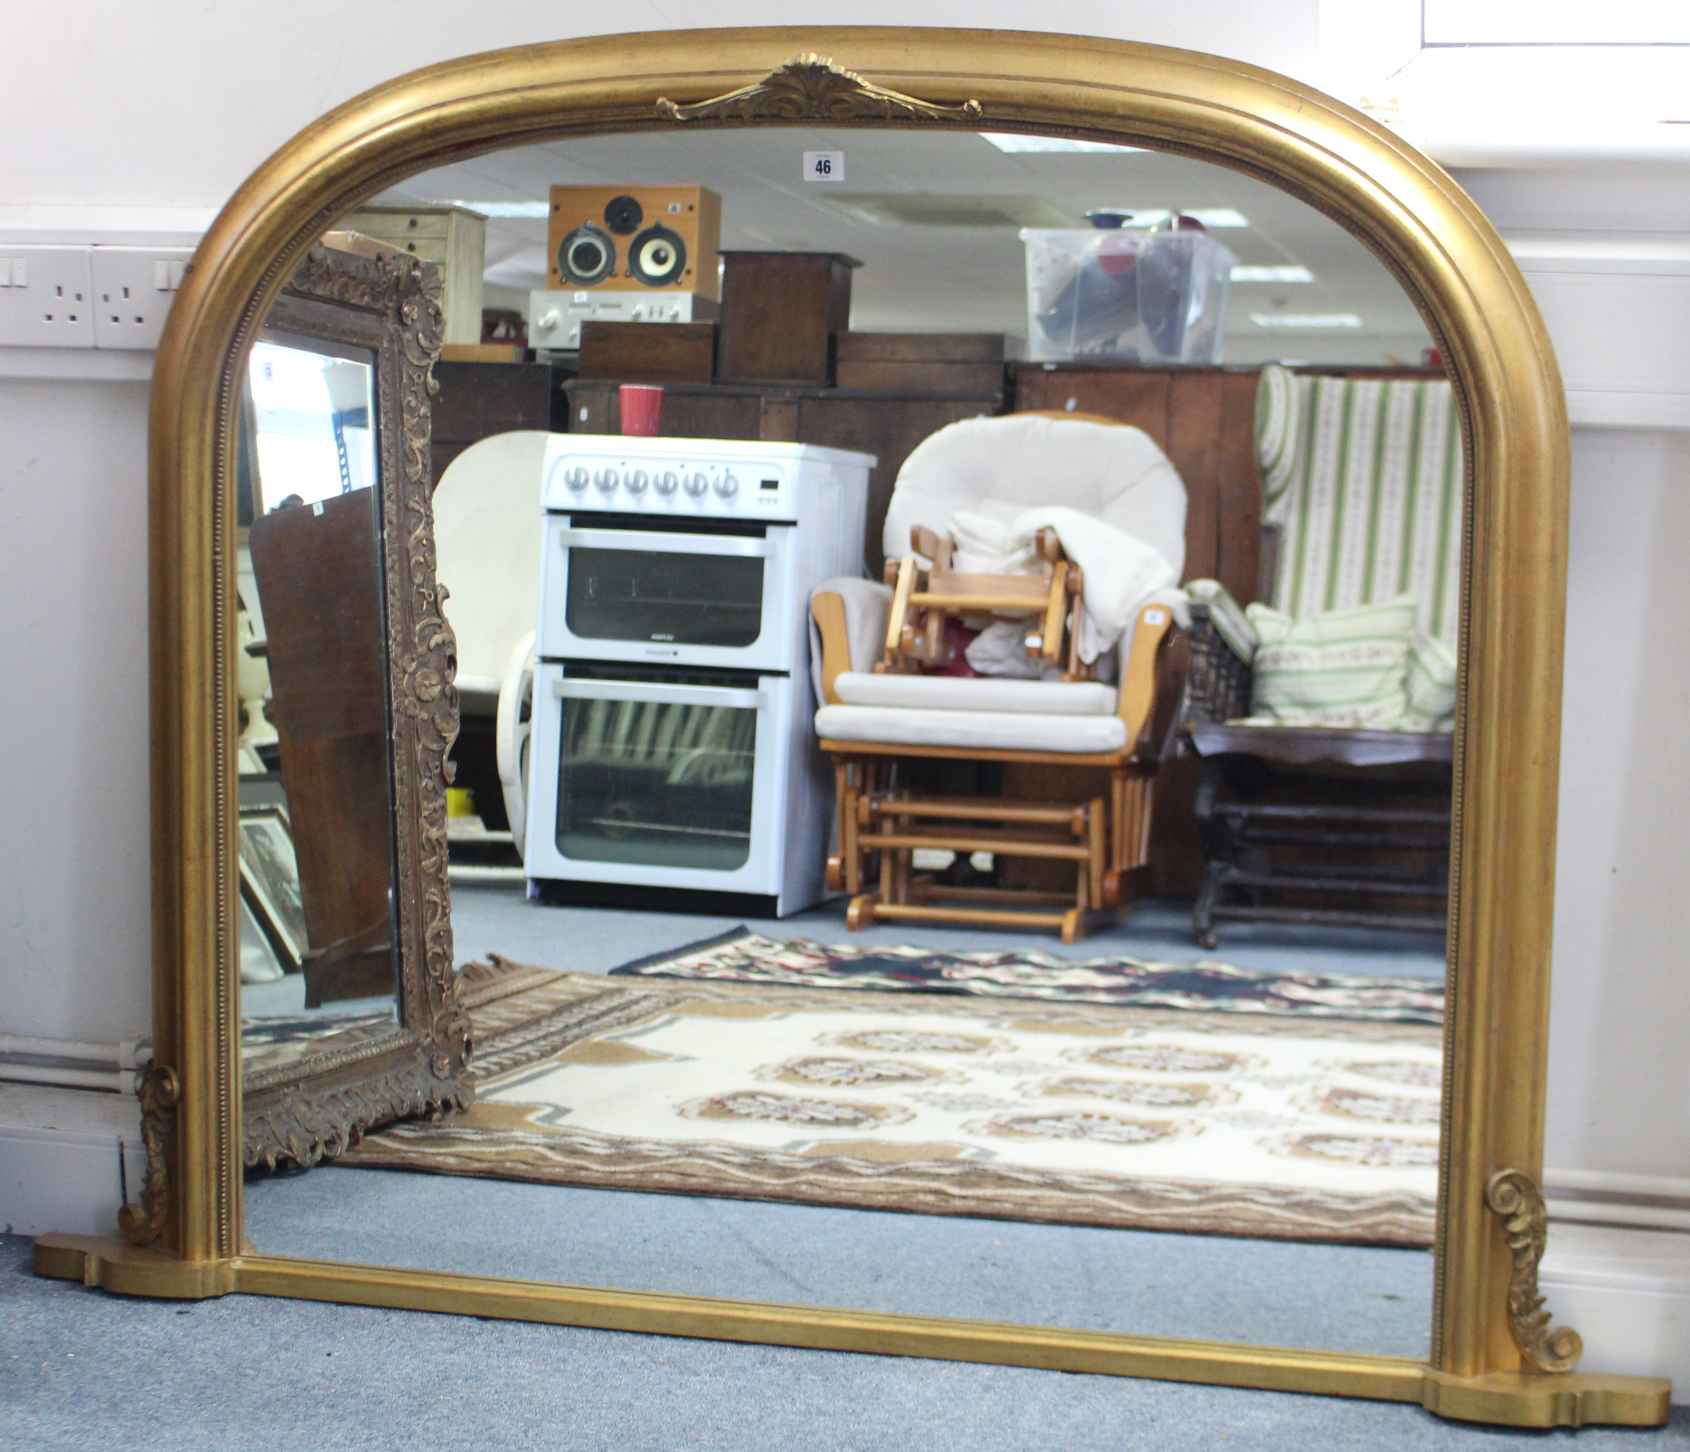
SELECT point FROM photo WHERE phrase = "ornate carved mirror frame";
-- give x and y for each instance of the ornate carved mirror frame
(387, 304)
(1493, 1357)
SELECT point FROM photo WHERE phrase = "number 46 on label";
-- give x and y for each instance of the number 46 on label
(824, 166)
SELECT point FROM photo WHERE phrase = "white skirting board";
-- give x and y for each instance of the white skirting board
(59, 1158)
(1627, 1293)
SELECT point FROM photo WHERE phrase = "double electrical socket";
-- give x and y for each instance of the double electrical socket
(87, 297)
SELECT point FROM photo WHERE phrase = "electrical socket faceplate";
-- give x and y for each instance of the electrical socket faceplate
(133, 290)
(46, 297)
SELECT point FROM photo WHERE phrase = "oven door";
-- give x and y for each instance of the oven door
(627, 592)
(657, 782)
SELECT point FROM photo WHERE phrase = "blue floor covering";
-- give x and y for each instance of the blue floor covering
(80, 1369)
(595, 940)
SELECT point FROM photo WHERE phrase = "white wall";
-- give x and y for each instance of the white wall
(1608, 256)
(174, 103)
(75, 935)
(1619, 1083)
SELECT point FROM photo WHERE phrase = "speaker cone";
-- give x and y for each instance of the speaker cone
(623, 215)
(657, 257)
(586, 255)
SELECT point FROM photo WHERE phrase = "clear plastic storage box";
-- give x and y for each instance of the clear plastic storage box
(1145, 297)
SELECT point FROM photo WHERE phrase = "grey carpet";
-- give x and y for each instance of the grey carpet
(1275, 1293)
(80, 1369)
(595, 940)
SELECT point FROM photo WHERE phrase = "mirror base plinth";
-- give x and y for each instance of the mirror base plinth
(129, 1270)
(1535, 1399)
(1515, 1399)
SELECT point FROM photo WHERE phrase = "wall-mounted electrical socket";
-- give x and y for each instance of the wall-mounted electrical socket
(133, 290)
(46, 297)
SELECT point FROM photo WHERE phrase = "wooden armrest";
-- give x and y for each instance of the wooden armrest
(899, 615)
(1138, 673)
(828, 611)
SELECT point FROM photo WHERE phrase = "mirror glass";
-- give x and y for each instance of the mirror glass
(701, 1068)
(316, 857)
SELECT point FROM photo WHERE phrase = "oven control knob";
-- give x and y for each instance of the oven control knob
(636, 482)
(576, 479)
(727, 486)
(667, 482)
(696, 484)
(605, 481)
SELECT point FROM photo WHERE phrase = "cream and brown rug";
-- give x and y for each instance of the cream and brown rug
(1081, 1114)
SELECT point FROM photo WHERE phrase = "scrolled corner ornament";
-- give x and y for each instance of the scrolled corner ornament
(812, 88)
(1514, 1196)
(143, 1223)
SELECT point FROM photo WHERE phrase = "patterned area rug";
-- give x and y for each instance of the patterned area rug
(1306, 1128)
(742, 956)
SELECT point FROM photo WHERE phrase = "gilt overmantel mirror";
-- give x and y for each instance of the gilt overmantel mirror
(649, 109)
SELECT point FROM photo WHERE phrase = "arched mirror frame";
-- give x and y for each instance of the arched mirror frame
(1485, 1333)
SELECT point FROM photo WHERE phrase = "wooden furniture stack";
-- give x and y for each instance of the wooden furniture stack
(477, 400)
(782, 314)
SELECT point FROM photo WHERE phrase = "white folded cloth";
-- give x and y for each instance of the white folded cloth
(1122, 574)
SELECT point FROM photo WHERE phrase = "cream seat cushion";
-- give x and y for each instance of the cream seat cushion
(979, 693)
(990, 730)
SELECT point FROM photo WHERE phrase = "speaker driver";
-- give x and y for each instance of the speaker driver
(657, 257)
(586, 255)
(623, 215)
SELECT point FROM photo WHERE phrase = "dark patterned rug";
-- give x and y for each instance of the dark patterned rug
(742, 956)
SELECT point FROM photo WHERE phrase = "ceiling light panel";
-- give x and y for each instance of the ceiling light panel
(1312, 322)
(507, 209)
(1246, 273)
(1218, 216)
(1008, 141)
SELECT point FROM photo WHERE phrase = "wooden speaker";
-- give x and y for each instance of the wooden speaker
(634, 239)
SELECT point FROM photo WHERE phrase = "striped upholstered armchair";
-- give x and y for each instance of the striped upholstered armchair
(1323, 713)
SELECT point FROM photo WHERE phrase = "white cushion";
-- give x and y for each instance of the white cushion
(1116, 474)
(487, 526)
(989, 730)
(978, 693)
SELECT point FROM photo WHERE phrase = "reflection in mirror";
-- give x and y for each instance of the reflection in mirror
(315, 828)
(952, 808)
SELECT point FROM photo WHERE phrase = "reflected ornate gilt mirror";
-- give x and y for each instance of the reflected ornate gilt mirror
(1492, 1354)
(343, 856)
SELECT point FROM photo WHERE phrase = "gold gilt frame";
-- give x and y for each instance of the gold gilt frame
(1493, 1356)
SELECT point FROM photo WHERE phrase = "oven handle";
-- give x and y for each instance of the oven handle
(670, 544)
(590, 690)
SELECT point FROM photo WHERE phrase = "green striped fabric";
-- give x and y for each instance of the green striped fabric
(1345, 668)
(1363, 478)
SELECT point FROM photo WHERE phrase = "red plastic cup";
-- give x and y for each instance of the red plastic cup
(642, 404)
